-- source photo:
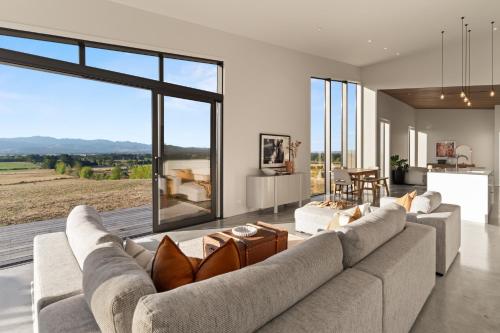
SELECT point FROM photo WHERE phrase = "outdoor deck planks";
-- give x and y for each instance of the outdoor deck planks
(16, 241)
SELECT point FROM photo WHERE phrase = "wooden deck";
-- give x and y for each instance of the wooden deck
(16, 241)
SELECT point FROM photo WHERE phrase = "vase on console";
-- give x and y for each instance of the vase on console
(290, 166)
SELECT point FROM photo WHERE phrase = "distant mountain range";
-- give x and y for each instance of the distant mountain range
(43, 145)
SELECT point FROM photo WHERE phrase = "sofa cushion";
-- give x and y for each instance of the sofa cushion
(365, 235)
(85, 231)
(113, 282)
(350, 302)
(406, 200)
(426, 203)
(246, 299)
(143, 256)
(69, 315)
(406, 266)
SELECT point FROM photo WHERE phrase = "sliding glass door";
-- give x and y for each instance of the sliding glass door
(187, 162)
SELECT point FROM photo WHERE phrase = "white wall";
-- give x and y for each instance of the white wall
(400, 115)
(423, 69)
(473, 127)
(266, 88)
(369, 127)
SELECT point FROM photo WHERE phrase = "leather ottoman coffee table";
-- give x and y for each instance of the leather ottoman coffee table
(268, 241)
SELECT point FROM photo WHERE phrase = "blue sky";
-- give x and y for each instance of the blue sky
(38, 103)
(317, 115)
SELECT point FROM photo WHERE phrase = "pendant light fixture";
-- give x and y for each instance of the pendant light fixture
(492, 91)
(442, 65)
(462, 93)
(464, 88)
(469, 103)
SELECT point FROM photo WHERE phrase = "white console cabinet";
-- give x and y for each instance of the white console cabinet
(272, 191)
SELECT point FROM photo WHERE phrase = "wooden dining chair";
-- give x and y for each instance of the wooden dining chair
(342, 182)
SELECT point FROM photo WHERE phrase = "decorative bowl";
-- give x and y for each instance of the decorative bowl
(268, 172)
(244, 231)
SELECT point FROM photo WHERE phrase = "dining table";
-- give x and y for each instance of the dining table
(357, 175)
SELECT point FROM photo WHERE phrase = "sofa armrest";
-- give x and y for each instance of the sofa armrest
(387, 200)
(56, 274)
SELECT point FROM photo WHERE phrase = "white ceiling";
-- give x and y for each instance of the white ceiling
(335, 29)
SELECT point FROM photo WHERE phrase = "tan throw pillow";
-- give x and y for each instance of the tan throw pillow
(143, 256)
(344, 217)
(172, 268)
(406, 200)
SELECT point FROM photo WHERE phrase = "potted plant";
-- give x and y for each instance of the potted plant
(398, 169)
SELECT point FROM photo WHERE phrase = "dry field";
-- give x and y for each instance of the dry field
(36, 195)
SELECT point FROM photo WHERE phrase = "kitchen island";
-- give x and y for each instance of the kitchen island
(468, 188)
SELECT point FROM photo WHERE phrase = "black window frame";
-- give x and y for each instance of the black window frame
(157, 87)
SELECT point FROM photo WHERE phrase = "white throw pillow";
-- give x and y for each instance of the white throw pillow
(143, 256)
(426, 203)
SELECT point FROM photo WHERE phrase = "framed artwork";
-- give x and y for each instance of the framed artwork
(274, 150)
(445, 149)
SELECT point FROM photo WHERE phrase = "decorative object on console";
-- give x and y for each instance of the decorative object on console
(294, 147)
(445, 149)
(274, 150)
(268, 171)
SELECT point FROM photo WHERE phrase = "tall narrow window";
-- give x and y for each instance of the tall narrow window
(352, 105)
(411, 146)
(384, 148)
(336, 124)
(422, 149)
(318, 102)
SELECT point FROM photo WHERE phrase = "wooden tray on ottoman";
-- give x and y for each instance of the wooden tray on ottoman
(268, 241)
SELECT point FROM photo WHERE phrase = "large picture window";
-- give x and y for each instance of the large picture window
(134, 133)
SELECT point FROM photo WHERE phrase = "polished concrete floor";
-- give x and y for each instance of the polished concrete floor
(467, 299)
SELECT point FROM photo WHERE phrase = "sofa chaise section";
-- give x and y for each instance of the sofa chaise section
(427, 209)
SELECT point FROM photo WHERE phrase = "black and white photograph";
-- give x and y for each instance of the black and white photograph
(274, 150)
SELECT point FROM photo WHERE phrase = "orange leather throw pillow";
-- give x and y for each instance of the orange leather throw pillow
(172, 268)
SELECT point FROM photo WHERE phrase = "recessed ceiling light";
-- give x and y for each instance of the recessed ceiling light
(319, 28)
(397, 53)
(385, 48)
(369, 41)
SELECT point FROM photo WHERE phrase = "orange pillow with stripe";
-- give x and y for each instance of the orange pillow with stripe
(172, 268)
(406, 200)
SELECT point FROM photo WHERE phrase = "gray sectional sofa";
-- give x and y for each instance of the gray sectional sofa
(373, 275)
(427, 209)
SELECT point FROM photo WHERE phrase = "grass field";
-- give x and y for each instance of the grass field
(9, 166)
(36, 195)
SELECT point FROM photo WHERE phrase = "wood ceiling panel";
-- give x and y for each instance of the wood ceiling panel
(428, 98)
